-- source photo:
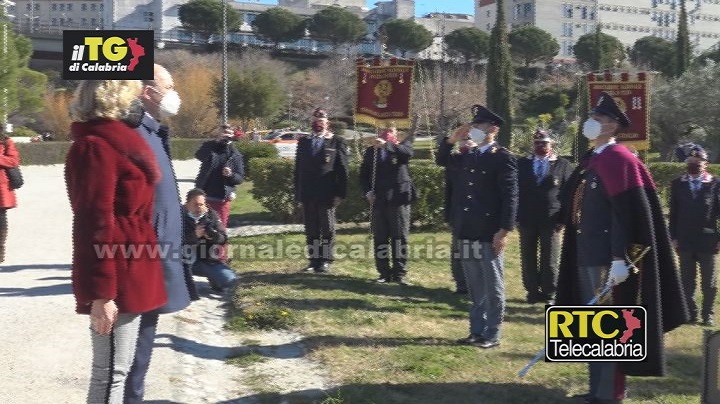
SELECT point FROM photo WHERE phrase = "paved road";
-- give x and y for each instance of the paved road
(44, 345)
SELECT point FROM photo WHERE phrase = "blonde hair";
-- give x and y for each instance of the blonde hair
(110, 99)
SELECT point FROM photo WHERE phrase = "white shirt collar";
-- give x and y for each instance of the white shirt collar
(602, 148)
(483, 149)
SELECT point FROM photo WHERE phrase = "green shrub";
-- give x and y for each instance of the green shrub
(338, 127)
(273, 187)
(183, 148)
(23, 131)
(43, 153)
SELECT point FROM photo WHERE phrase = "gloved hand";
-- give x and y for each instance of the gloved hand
(619, 271)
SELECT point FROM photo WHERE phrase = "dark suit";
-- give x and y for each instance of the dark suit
(538, 216)
(693, 224)
(320, 177)
(390, 181)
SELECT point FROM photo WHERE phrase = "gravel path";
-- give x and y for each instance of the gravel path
(44, 345)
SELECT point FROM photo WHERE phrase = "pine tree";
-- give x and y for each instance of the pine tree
(682, 44)
(598, 55)
(500, 75)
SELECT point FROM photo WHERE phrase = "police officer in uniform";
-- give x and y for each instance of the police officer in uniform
(385, 180)
(484, 207)
(541, 175)
(320, 185)
(694, 212)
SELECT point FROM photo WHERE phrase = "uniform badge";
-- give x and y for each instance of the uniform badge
(556, 181)
(394, 160)
(493, 149)
(327, 158)
(593, 185)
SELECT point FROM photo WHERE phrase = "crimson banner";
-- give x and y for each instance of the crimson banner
(384, 94)
(632, 96)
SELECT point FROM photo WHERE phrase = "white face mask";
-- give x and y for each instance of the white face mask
(592, 129)
(195, 217)
(477, 135)
(170, 103)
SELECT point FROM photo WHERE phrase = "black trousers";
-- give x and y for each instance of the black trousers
(689, 261)
(539, 275)
(391, 229)
(319, 232)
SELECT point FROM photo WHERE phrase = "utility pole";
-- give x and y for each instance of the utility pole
(224, 64)
(441, 120)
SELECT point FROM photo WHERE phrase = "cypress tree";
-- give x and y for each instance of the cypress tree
(499, 75)
(682, 43)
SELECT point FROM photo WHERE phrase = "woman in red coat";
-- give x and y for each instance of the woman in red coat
(9, 158)
(110, 173)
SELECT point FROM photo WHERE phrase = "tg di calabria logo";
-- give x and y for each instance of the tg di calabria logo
(595, 334)
(108, 55)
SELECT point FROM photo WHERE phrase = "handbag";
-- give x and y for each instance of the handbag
(14, 175)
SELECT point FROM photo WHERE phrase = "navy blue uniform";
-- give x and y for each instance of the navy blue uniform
(320, 177)
(394, 191)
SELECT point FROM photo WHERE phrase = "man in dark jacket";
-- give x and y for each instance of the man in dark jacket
(611, 210)
(694, 212)
(320, 185)
(385, 180)
(205, 237)
(221, 170)
(160, 101)
(541, 176)
(484, 208)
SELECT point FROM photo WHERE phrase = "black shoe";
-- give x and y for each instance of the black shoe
(708, 322)
(323, 268)
(488, 343)
(401, 280)
(309, 268)
(382, 280)
(469, 340)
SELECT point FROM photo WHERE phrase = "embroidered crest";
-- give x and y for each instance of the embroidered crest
(394, 160)
(593, 185)
(556, 181)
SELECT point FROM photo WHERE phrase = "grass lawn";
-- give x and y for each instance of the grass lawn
(395, 344)
(245, 207)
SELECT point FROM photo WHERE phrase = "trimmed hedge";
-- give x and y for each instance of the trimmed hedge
(54, 152)
(273, 187)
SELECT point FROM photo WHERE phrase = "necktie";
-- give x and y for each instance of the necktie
(695, 186)
(540, 169)
(383, 155)
(317, 143)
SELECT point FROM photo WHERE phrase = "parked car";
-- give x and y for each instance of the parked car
(284, 136)
(285, 141)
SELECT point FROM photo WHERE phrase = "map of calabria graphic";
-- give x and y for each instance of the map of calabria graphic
(632, 323)
(137, 51)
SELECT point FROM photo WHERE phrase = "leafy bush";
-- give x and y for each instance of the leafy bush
(183, 148)
(43, 153)
(338, 127)
(273, 187)
(23, 131)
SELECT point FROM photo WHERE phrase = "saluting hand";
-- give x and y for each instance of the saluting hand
(459, 134)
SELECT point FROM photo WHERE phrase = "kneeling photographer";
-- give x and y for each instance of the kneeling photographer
(204, 238)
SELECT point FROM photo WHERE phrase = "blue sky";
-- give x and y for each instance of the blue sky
(425, 6)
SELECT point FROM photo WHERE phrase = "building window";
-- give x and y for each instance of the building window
(516, 11)
(54, 7)
(53, 21)
(101, 6)
(527, 9)
(488, 14)
(83, 21)
(583, 13)
(69, 7)
(488, 27)
(37, 6)
(62, 7)
(148, 16)
(567, 10)
(92, 21)
(28, 7)
(567, 29)
(83, 7)
(92, 6)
